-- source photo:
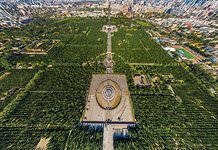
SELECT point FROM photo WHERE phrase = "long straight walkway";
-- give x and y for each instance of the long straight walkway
(109, 61)
(109, 41)
(108, 129)
(108, 137)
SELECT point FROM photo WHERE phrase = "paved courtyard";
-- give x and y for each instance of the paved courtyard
(122, 113)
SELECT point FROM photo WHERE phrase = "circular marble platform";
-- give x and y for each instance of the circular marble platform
(108, 94)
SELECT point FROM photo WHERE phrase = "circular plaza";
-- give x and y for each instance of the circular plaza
(108, 94)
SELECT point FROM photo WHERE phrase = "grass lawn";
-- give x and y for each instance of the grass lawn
(187, 54)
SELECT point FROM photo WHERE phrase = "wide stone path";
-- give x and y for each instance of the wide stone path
(108, 137)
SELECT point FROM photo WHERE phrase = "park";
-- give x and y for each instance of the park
(47, 100)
